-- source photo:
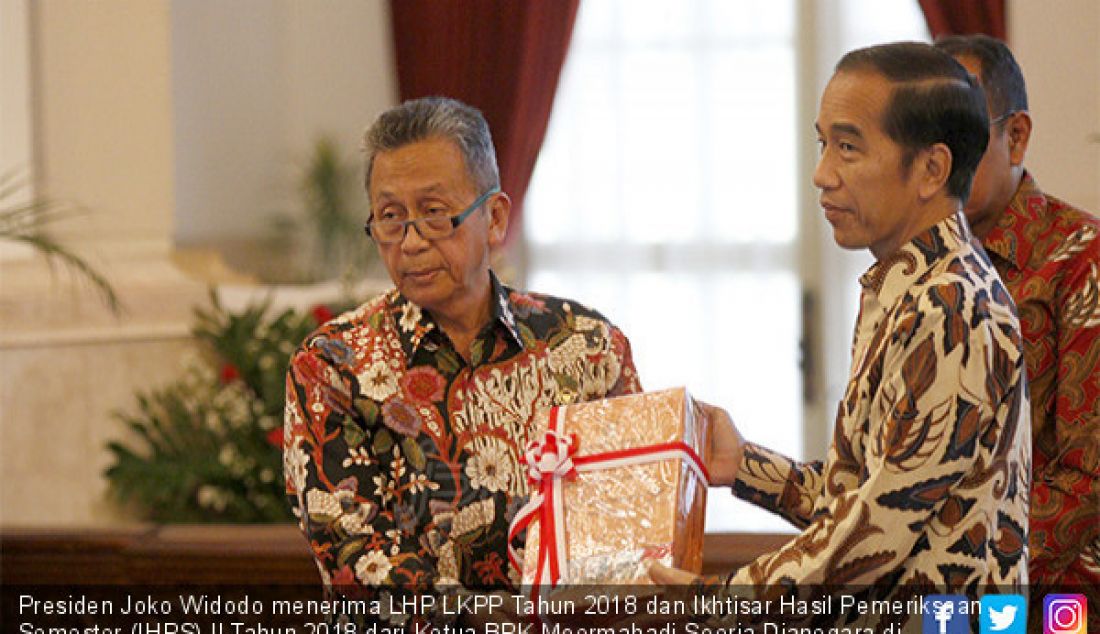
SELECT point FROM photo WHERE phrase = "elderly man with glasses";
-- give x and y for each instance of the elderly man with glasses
(407, 417)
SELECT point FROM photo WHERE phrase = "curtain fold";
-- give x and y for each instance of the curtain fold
(502, 56)
(965, 17)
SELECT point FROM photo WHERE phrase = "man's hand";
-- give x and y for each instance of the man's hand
(726, 446)
(662, 575)
(675, 586)
(503, 618)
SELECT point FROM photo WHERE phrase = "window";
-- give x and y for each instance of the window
(667, 196)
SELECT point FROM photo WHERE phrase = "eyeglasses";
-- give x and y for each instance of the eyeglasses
(1001, 119)
(431, 227)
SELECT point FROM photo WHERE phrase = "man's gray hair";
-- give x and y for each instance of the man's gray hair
(436, 117)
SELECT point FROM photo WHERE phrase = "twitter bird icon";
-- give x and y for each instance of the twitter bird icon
(1002, 620)
(1003, 614)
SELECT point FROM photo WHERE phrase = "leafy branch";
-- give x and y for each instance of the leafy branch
(207, 447)
(24, 223)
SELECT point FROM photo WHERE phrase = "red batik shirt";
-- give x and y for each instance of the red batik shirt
(1048, 254)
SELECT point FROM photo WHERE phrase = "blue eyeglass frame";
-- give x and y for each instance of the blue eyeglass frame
(456, 219)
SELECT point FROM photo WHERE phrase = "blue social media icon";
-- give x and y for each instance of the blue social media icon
(946, 614)
(1003, 614)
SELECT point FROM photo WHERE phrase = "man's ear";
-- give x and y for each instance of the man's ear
(933, 169)
(500, 210)
(1018, 128)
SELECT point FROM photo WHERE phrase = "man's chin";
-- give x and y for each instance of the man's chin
(847, 242)
(425, 297)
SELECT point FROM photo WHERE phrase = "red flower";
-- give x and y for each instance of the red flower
(526, 304)
(229, 373)
(423, 384)
(344, 576)
(345, 582)
(491, 569)
(321, 313)
(275, 437)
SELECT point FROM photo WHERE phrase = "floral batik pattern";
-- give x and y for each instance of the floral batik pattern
(925, 484)
(402, 457)
(1048, 254)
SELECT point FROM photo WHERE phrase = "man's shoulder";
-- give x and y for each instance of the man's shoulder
(1067, 212)
(1074, 233)
(359, 324)
(1049, 230)
(966, 284)
(961, 305)
(965, 265)
(534, 305)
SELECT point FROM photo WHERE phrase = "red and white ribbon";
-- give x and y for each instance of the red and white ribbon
(554, 458)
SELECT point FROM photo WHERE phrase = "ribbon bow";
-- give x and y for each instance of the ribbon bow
(551, 457)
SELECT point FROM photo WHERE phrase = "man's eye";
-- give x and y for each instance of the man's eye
(389, 215)
(435, 211)
(846, 147)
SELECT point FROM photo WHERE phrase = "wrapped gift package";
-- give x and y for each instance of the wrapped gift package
(615, 485)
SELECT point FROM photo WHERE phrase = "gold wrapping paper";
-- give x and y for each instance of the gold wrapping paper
(617, 520)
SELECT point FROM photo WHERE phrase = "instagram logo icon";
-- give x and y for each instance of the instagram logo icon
(1065, 614)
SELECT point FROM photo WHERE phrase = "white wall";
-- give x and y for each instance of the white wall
(15, 98)
(103, 120)
(255, 82)
(1056, 44)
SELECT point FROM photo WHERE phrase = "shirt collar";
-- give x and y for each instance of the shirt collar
(1007, 239)
(415, 326)
(502, 312)
(889, 278)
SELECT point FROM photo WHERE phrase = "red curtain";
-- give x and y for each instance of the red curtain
(965, 17)
(502, 56)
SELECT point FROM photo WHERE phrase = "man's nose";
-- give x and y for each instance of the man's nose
(413, 241)
(824, 175)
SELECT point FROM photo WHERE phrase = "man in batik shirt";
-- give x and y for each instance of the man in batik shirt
(925, 483)
(1048, 255)
(407, 418)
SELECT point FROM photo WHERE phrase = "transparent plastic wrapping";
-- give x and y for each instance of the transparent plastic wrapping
(619, 519)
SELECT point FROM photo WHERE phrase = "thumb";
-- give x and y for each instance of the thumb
(665, 576)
